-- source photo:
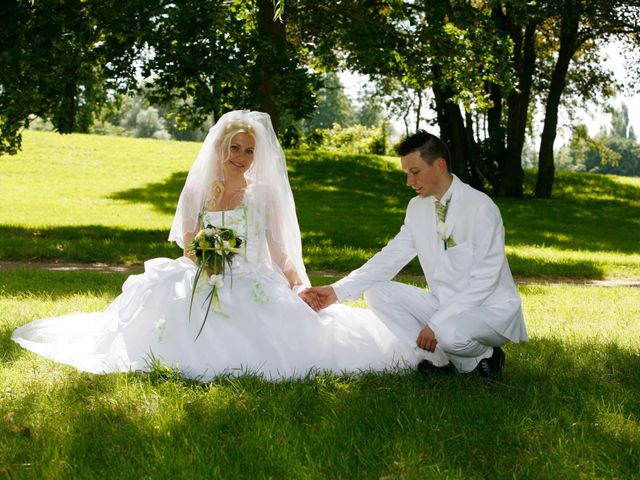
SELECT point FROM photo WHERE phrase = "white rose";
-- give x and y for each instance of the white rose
(216, 281)
(441, 228)
(209, 231)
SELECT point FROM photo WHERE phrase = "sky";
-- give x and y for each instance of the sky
(592, 115)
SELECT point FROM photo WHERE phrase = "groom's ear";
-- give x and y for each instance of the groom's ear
(441, 164)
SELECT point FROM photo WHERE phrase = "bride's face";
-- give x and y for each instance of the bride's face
(240, 156)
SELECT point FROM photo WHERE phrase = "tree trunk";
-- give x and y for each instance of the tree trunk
(491, 156)
(418, 111)
(273, 35)
(518, 104)
(452, 132)
(568, 47)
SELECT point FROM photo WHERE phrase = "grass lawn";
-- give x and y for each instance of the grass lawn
(84, 198)
(567, 406)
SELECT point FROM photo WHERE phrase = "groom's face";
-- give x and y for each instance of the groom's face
(425, 179)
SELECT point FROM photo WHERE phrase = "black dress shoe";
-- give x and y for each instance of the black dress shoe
(491, 367)
(484, 369)
(425, 366)
(497, 359)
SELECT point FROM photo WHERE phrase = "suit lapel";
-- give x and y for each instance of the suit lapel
(424, 219)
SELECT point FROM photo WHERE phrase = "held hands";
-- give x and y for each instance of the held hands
(427, 339)
(318, 297)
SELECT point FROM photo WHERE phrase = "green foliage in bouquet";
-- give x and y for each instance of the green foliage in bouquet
(214, 249)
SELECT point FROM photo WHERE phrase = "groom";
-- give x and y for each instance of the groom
(472, 307)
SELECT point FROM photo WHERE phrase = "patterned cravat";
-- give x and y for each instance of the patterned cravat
(441, 210)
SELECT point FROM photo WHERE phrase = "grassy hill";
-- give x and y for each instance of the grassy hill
(84, 198)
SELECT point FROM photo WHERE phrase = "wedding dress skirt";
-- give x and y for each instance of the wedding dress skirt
(262, 327)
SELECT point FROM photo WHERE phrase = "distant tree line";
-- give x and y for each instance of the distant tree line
(614, 149)
(336, 124)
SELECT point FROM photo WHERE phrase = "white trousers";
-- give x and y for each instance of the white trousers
(463, 339)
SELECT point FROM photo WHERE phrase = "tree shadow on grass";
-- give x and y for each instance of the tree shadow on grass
(568, 268)
(558, 405)
(575, 184)
(56, 285)
(163, 196)
(359, 201)
(9, 350)
(355, 201)
(84, 244)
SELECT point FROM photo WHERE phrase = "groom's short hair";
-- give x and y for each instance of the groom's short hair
(430, 147)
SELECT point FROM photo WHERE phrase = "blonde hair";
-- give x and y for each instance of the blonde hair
(230, 131)
(223, 147)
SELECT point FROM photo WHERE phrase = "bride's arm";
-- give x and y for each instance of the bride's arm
(191, 224)
(284, 263)
(187, 238)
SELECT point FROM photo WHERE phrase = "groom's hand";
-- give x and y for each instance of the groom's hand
(427, 339)
(321, 297)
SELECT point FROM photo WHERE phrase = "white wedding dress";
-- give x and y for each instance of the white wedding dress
(263, 326)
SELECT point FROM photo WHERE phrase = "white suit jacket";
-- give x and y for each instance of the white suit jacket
(474, 273)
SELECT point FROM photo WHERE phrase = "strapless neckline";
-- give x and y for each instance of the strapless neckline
(237, 209)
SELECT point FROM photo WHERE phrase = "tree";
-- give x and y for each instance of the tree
(417, 46)
(620, 124)
(214, 56)
(580, 23)
(54, 63)
(519, 23)
(614, 150)
(403, 100)
(63, 60)
(370, 110)
(333, 106)
(483, 61)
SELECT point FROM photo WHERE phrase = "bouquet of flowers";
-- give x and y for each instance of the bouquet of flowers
(214, 249)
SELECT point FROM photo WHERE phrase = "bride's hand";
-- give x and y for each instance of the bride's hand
(319, 297)
(309, 298)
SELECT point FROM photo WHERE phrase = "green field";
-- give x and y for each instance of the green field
(567, 405)
(83, 198)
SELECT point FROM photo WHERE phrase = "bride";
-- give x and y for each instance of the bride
(256, 322)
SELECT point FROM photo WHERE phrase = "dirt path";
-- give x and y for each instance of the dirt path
(131, 269)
